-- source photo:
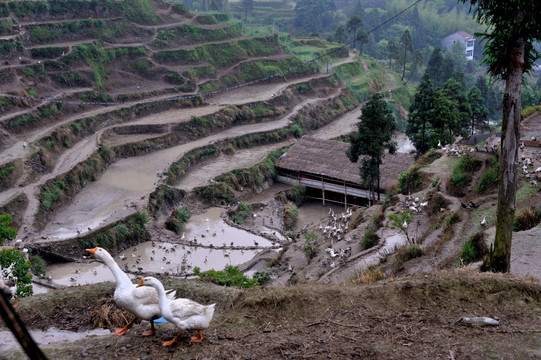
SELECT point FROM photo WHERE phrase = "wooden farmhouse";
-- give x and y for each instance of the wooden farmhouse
(323, 167)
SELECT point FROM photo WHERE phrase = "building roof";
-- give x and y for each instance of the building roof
(465, 35)
(328, 158)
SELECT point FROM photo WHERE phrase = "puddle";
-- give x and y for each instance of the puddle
(51, 336)
(75, 274)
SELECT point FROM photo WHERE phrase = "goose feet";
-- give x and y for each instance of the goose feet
(197, 338)
(151, 331)
(171, 342)
(124, 330)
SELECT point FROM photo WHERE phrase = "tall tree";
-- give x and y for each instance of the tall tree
(406, 47)
(514, 26)
(444, 118)
(340, 35)
(392, 50)
(416, 62)
(420, 115)
(353, 24)
(454, 91)
(248, 7)
(479, 112)
(362, 37)
(373, 137)
(434, 67)
(491, 96)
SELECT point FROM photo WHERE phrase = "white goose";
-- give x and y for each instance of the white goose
(143, 303)
(184, 313)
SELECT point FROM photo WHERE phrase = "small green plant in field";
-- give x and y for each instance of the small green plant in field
(406, 253)
(367, 276)
(37, 265)
(6, 232)
(474, 249)
(297, 194)
(489, 180)
(409, 181)
(291, 213)
(309, 249)
(401, 221)
(526, 220)
(435, 181)
(262, 277)
(370, 239)
(467, 253)
(230, 276)
(242, 212)
(20, 266)
(177, 220)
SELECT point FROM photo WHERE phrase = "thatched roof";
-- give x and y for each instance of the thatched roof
(328, 158)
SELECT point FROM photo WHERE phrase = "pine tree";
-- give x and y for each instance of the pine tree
(479, 111)
(434, 67)
(418, 126)
(373, 137)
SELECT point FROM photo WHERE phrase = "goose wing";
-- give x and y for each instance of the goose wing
(145, 295)
(186, 308)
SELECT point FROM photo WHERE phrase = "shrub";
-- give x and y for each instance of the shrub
(37, 265)
(291, 213)
(526, 220)
(474, 249)
(436, 203)
(309, 248)
(179, 217)
(409, 181)
(6, 232)
(19, 269)
(262, 277)
(297, 194)
(461, 175)
(368, 276)
(230, 276)
(406, 253)
(241, 213)
(370, 239)
(489, 180)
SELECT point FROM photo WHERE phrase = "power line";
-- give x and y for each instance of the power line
(191, 96)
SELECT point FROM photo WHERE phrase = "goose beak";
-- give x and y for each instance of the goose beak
(141, 283)
(92, 251)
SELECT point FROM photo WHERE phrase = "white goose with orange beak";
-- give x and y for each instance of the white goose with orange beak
(141, 302)
(184, 313)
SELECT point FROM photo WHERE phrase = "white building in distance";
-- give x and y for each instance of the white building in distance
(466, 39)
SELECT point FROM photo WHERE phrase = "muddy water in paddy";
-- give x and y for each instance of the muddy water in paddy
(230, 246)
(313, 212)
(126, 181)
(225, 163)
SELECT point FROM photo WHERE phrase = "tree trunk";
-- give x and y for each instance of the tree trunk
(404, 66)
(508, 176)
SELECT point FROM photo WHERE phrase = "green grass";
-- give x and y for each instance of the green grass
(525, 191)
(230, 276)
